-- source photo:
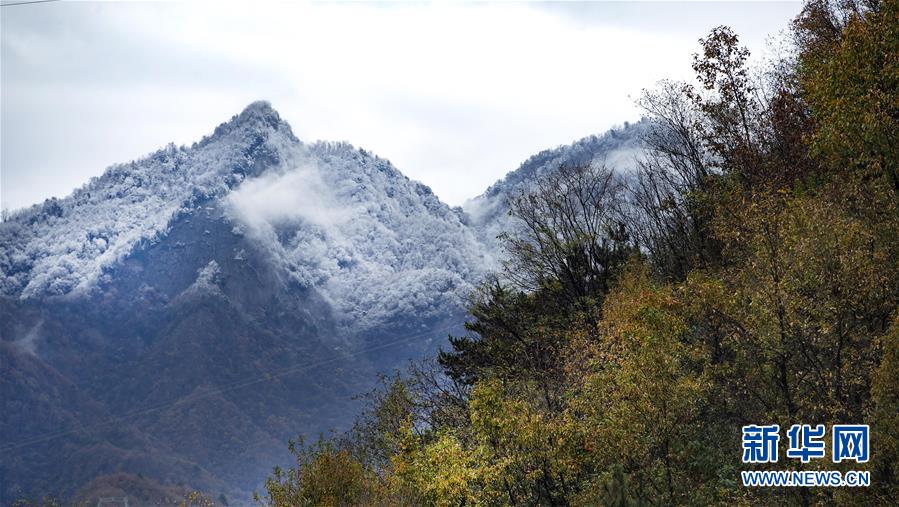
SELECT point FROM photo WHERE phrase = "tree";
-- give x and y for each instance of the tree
(850, 76)
(641, 398)
(670, 214)
(572, 239)
(325, 475)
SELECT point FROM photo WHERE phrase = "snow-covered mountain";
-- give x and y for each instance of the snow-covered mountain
(62, 246)
(183, 315)
(618, 149)
(332, 217)
(232, 294)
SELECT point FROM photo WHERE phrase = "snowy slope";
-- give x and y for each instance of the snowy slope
(372, 241)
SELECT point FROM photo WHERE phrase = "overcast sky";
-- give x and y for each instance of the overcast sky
(455, 95)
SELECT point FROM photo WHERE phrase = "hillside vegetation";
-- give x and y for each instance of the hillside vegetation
(747, 274)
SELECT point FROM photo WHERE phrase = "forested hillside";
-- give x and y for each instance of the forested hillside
(747, 274)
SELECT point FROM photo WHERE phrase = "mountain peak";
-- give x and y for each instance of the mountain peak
(133, 203)
(258, 110)
(257, 116)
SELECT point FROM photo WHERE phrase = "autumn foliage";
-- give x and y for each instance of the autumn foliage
(749, 273)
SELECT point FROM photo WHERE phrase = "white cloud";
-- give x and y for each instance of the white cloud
(295, 195)
(455, 95)
(29, 342)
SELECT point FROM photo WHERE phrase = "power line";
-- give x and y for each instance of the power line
(10, 4)
(228, 388)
